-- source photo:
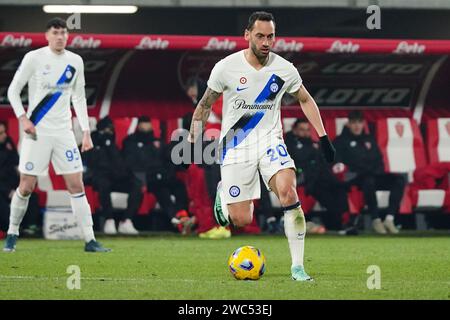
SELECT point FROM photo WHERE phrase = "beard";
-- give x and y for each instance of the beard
(259, 55)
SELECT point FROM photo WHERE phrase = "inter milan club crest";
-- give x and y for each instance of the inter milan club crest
(29, 166)
(234, 191)
(274, 87)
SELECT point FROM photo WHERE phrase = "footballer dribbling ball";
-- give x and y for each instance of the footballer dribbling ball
(247, 263)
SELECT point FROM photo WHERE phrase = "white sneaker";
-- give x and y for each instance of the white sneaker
(127, 227)
(390, 226)
(110, 227)
(378, 226)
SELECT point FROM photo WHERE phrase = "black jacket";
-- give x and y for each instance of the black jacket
(360, 153)
(310, 163)
(105, 159)
(144, 153)
(9, 160)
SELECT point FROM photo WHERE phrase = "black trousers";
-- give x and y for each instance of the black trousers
(130, 185)
(163, 191)
(369, 184)
(333, 197)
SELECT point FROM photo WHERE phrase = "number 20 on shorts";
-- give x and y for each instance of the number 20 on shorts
(273, 153)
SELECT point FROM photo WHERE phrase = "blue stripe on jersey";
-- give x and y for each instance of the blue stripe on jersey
(265, 93)
(269, 92)
(50, 102)
(44, 106)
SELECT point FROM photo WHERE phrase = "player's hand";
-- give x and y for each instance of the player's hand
(327, 148)
(86, 144)
(28, 126)
(190, 138)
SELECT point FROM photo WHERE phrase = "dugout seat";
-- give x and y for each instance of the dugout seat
(403, 151)
(438, 140)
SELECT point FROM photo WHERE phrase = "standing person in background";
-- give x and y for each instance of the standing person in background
(55, 76)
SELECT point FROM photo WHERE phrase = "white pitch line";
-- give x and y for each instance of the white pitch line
(38, 278)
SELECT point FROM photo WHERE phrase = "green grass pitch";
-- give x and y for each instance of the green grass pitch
(175, 267)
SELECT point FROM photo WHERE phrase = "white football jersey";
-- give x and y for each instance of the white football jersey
(251, 116)
(53, 79)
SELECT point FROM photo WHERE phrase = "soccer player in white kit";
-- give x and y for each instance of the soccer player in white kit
(253, 82)
(54, 76)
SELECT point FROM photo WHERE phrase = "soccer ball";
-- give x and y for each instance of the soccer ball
(247, 263)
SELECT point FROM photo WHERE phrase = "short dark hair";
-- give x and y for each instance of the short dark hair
(355, 115)
(56, 23)
(143, 119)
(299, 121)
(259, 15)
(191, 82)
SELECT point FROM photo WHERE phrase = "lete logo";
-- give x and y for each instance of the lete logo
(88, 43)
(149, 43)
(400, 128)
(339, 47)
(404, 47)
(216, 44)
(288, 46)
(10, 41)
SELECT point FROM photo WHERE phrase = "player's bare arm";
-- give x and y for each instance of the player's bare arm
(311, 111)
(202, 112)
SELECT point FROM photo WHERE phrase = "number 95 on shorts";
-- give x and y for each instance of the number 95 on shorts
(61, 150)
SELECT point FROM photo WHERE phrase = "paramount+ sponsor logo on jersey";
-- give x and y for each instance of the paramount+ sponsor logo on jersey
(241, 104)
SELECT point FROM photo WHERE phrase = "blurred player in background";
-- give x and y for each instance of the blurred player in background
(54, 76)
(253, 82)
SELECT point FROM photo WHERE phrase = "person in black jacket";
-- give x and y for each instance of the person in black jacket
(149, 159)
(9, 181)
(110, 173)
(314, 173)
(195, 88)
(360, 152)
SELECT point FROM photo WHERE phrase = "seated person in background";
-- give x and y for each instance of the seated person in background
(110, 173)
(149, 159)
(9, 181)
(315, 174)
(360, 152)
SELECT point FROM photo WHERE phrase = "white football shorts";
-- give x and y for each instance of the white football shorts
(61, 150)
(240, 181)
